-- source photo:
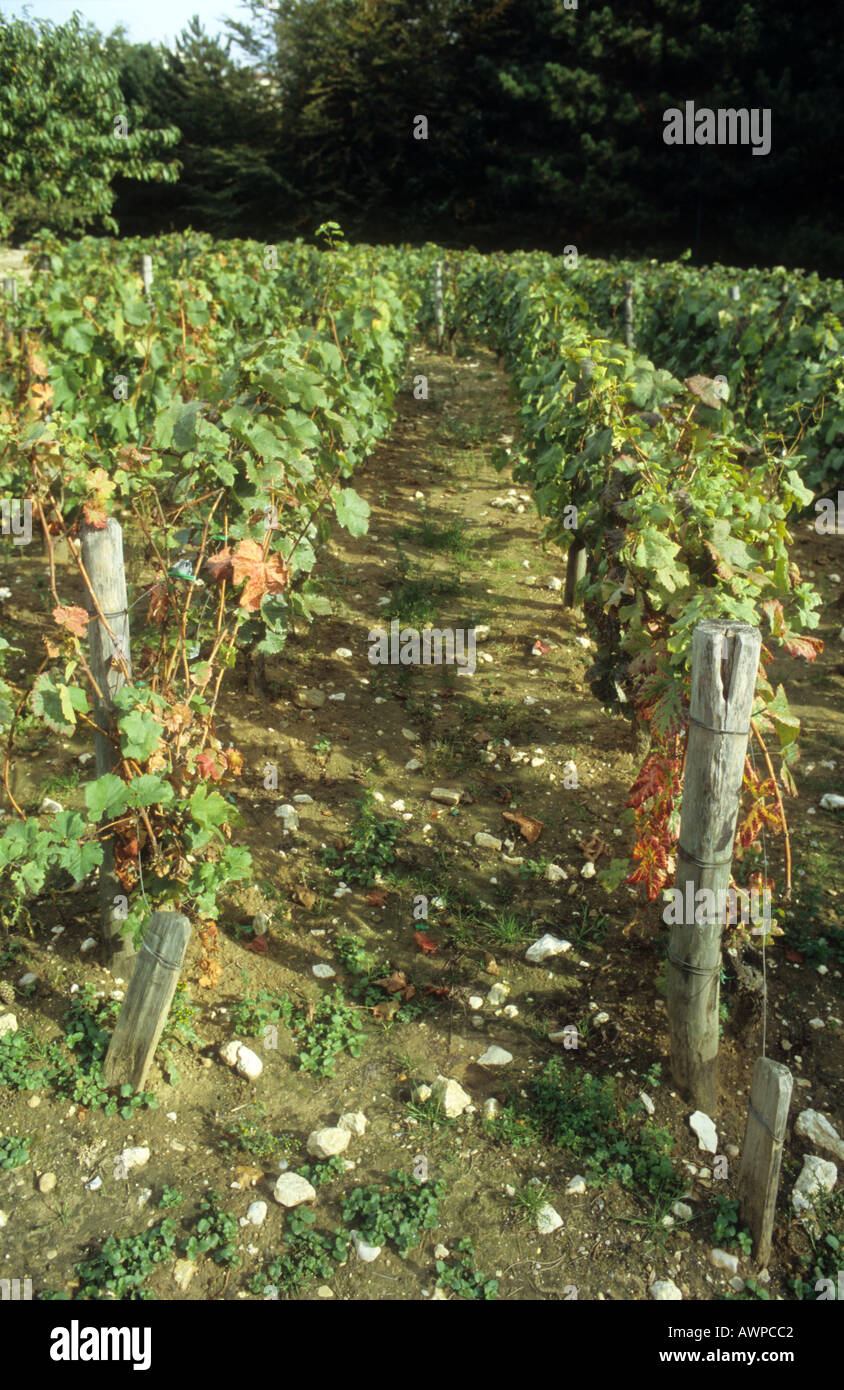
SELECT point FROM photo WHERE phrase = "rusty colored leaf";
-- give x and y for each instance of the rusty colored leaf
(424, 942)
(531, 829)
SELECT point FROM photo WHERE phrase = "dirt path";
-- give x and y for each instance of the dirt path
(506, 738)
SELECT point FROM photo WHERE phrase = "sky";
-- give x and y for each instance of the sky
(147, 21)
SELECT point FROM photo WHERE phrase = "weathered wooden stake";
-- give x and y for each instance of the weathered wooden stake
(10, 288)
(761, 1155)
(725, 660)
(628, 314)
(439, 318)
(102, 556)
(735, 293)
(148, 998)
(575, 570)
(146, 272)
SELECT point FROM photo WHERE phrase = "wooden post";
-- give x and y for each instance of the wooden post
(628, 314)
(148, 999)
(575, 570)
(438, 304)
(761, 1155)
(146, 273)
(10, 288)
(102, 556)
(735, 293)
(43, 262)
(725, 660)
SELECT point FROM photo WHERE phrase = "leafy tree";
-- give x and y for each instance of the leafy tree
(66, 131)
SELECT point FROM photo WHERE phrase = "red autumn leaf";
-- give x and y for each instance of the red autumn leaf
(540, 648)
(207, 767)
(95, 514)
(261, 576)
(258, 944)
(438, 991)
(74, 619)
(424, 942)
(219, 566)
(807, 647)
(530, 828)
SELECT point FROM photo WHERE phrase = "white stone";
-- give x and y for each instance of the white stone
(576, 1185)
(365, 1252)
(588, 870)
(52, 808)
(554, 584)
(647, 1102)
(818, 1175)
(445, 795)
(665, 1291)
(495, 1057)
(248, 1063)
(291, 1190)
(410, 734)
(256, 1212)
(228, 1051)
(302, 799)
(548, 1220)
(324, 971)
(4, 1220)
(88, 944)
(413, 765)
(8, 1024)
(343, 652)
(546, 946)
(441, 1252)
(554, 874)
(498, 993)
(288, 816)
(510, 1011)
(354, 1121)
(722, 1259)
(28, 979)
(707, 1135)
(485, 841)
(602, 1018)
(831, 802)
(324, 1143)
(682, 1211)
(134, 1158)
(491, 1108)
(816, 1023)
(183, 1272)
(476, 1001)
(815, 1127)
(94, 1185)
(452, 1097)
(422, 1093)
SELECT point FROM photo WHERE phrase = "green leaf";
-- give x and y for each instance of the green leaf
(352, 511)
(107, 796)
(150, 790)
(140, 734)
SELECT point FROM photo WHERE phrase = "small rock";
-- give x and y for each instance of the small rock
(576, 1186)
(546, 946)
(707, 1135)
(288, 816)
(324, 1291)
(439, 1295)
(4, 1220)
(602, 1018)
(302, 799)
(733, 1151)
(830, 802)
(8, 1024)
(722, 1259)
(324, 971)
(815, 1127)
(443, 794)
(413, 765)
(647, 1102)
(411, 735)
(354, 1121)
(291, 1190)
(441, 1252)
(682, 1211)
(47, 1182)
(183, 1272)
(547, 1220)
(736, 1283)
(249, 1063)
(816, 1023)
(495, 1057)
(256, 1212)
(818, 1175)
(554, 584)
(554, 874)
(588, 870)
(28, 979)
(365, 1252)
(485, 841)
(344, 653)
(452, 1097)
(491, 1108)
(134, 1158)
(665, 1291)
(310, 699)
(94, 1185)
(422, 1093)
(510, 1011)
(52, 808)
(325, 1143)
(260, 923)
(88, 944)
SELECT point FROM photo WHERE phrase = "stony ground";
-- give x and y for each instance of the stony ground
(453, 544)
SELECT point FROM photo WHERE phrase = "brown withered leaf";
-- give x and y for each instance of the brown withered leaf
(376, 897)
(490, 963)
(211, 972)
(386, 1010)
(482, 736)
(531, 829)
(53, 648)
(593, 846)
(397, 983)
(219, 565)
(247, 1176)
(261, 576)
(305, 897)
